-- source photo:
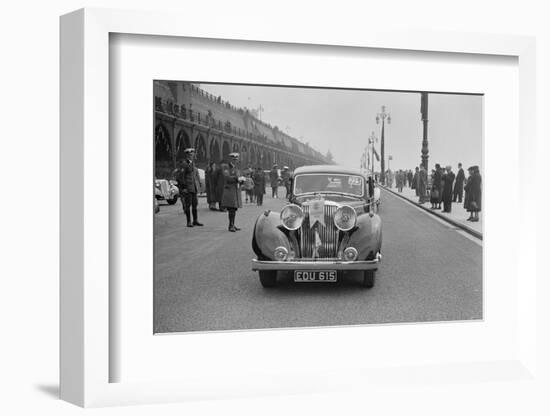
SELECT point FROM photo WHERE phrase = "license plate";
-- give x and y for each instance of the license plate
(315, 275)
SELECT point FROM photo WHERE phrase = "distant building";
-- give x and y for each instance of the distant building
(188, 116)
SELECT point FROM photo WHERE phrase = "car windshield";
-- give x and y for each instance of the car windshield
(328, 182)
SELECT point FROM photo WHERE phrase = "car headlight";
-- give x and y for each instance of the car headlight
(345, 218)
(292, 217)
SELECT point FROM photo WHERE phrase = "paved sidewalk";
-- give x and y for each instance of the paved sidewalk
(458, 214)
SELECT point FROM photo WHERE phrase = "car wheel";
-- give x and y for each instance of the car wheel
(268, 278)
(172, 201)
(368, 278)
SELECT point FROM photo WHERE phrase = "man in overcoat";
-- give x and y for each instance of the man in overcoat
(259, 185)
(210, 186)
(459, 184)
(217, 180)
(274, 180)
(448, 179)
(436, 187)
(189, 184)
(285, 174)
(232, 180)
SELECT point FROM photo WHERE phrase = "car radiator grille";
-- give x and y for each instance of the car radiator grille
(328, 236)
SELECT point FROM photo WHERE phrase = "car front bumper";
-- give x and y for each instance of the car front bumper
(316, 265)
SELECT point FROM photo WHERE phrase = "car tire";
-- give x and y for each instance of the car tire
(172, 201)
(368, 278)
(268, 278)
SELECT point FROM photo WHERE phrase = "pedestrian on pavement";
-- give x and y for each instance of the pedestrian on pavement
(285, 174)
(232, 199)
(189, 184)
(410, 178)
(217, 179)
(421, 185)
(250, 172)
(399, 177)
(472, 200)
(434, 192)
(466, 193)
(415, 180)
(274, 180)
(389, 178)
(259, 185)
(435, 196)
(459, 184)
(248, 187)
(210, 186)
(448, 180)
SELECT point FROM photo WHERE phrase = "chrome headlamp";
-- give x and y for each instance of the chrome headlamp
(345, 218)
(292, 217)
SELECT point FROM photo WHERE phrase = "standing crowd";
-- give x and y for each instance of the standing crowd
(443, 187)
(224, 183)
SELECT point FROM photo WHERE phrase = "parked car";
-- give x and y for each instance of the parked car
(330, 226)
(166, 190)
(156, 207)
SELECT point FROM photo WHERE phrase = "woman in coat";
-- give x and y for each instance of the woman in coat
(232, 180)
(472, 201)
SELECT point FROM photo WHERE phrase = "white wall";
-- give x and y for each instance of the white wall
(29, 208)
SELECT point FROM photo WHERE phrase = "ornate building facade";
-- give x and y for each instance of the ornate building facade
(187, 116)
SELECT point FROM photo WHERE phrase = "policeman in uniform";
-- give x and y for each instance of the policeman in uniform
(231, 199)
(189, 184)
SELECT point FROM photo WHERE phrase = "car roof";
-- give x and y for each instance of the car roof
(327, 169)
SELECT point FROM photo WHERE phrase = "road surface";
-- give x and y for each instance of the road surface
(203, 279)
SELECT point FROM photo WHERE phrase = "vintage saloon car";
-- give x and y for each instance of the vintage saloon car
(166, 190)
(330, 226)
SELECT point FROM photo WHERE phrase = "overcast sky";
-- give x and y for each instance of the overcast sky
(342, 120)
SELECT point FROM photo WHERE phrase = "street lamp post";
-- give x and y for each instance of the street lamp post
(372, 140)
(382, 116)
(424, 113)
(425, 149)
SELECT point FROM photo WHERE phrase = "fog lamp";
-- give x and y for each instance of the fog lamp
(350, 254)
(281, 253)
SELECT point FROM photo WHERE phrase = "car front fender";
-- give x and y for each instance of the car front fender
(267, 236)
(367, 237)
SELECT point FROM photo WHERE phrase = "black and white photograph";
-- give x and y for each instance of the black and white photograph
(289, 206)
(348, 209)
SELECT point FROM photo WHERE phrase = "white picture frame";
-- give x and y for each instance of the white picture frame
(85, 354)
